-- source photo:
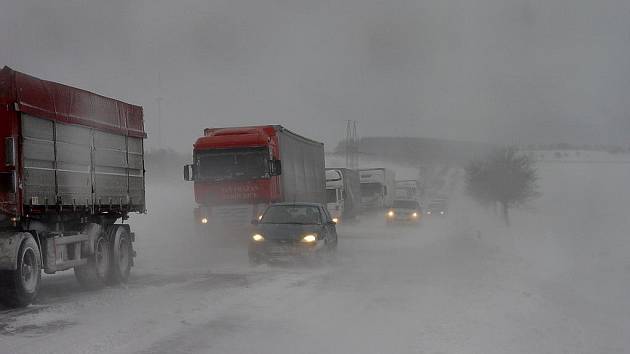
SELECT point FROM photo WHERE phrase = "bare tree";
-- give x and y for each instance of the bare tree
(507, 178)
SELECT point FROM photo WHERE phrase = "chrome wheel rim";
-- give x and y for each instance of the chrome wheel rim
(29, 270)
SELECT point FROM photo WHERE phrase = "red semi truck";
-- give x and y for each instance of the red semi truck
(238, 171)
(73, 164)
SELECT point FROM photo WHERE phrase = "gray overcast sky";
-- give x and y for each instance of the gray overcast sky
(485, 70)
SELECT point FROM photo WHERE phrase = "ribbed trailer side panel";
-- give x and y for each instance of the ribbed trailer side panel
(72, 165)
(303, 176)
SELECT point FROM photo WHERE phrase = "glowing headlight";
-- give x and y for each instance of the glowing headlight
(309, 238)
(414, 215)
(204, 220)
(258, 237)
(442, 212)
(335, 220)
(390, 214)
(429, 212)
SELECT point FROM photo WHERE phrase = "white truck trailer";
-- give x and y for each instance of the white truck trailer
(377, 188)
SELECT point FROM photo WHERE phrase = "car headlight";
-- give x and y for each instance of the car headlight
(442, 212)
(390, 213)
(258, 237)
(310, 238)
(429, 212)
(414, 215)
(335, 220)
(204, 220)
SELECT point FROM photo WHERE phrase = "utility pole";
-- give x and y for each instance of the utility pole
(159, 113)
(352, 142)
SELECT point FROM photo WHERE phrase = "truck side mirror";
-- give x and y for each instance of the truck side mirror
(275, 167)
(9, 151)
(188, 173)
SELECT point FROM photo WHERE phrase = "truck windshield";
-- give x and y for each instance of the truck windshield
(228, 164)
(370, 189)
(331, 195)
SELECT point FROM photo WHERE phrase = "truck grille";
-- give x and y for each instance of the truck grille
(238, 214)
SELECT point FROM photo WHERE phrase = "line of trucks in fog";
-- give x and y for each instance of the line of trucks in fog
(73, 171)
(239, 171)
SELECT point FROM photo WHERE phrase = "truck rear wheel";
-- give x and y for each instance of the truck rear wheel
(121, 256)
(19, 287)
(93, 274)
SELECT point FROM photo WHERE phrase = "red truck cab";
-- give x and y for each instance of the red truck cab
(238, 171)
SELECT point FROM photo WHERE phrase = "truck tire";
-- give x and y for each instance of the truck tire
(19, 287)
(92, 275)
(121, 255)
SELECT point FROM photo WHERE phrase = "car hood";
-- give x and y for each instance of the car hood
(286, 231)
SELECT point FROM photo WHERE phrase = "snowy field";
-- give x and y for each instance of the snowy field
(557, 281)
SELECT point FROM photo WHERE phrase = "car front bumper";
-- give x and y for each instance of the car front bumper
(279, 250)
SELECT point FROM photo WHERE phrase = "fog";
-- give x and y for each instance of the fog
(492, 70)
(457, 79)
(555, 281)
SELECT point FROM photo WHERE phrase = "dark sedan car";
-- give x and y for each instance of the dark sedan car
(288, 231)
(404, 211)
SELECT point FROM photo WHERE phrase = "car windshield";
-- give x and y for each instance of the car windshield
(232, 164)
(291, 214)
(406, 204)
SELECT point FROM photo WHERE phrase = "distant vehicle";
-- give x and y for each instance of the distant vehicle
(343, 193)
(437, 207)
(408, 189)
(377, 188)
(404, 211)
(239, 171)
(289, 231)
(73, 167)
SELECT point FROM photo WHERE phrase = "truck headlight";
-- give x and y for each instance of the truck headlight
(258, 237)
(204, 220)
(390, 213)
(310, 238)
(335, 220)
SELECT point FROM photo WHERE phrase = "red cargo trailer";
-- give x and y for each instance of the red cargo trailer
(73, 165)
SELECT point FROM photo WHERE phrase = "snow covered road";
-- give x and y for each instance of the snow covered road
(463, 284)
